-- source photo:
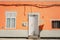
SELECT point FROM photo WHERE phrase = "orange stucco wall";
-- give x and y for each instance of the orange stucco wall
(46, 14)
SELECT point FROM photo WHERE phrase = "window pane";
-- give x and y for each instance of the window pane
(12, 22)
(8, 22)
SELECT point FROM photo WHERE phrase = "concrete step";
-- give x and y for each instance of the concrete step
(33, 37)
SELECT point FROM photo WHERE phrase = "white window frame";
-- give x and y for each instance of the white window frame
(9, 14)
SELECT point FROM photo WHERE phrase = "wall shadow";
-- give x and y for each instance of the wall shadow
(40, 29)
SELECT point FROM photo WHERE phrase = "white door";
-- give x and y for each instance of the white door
(33, 24)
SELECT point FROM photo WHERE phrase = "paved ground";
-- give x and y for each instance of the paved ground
(24, 39)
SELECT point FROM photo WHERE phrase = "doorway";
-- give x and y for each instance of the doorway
(33, 21)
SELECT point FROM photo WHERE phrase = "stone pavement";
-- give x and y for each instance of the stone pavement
(24, 39)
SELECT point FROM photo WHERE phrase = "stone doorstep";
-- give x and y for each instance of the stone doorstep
(33, 37)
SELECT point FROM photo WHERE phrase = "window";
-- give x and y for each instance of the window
(55, 24)
(10, 19)
(8, 23)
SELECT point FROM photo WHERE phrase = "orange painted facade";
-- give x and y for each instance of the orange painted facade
(46, 14)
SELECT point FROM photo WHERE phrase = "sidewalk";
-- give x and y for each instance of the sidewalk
(24, 39)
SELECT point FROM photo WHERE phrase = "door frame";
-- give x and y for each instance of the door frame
(38, 19)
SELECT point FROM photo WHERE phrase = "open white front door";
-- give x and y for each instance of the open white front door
(33, 24)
